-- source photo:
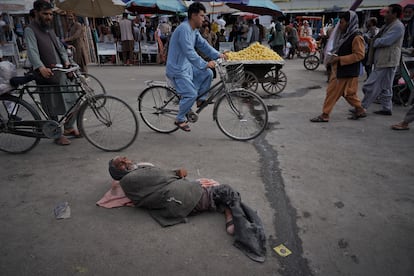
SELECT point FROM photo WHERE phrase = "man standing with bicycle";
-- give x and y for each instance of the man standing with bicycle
(44, 50)
(188, 71)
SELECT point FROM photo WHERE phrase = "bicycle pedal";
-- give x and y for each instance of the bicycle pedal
(192, 117)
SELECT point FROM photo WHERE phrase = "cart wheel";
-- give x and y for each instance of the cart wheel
(274, 82)
(311, 62)
(250, 82)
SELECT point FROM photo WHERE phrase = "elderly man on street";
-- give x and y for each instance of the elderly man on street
(170, 198)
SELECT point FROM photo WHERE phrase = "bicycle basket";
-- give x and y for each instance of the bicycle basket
(235, 75)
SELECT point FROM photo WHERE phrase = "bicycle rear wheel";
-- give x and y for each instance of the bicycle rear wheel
(158, 107)
(241, 114)
(94, 84)
(13, 109)
(108, 123)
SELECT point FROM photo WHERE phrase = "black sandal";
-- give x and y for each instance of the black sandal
(356, 116)
(319, 119)
(185, 127)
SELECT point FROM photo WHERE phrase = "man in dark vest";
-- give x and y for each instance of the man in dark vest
(44, 50)
(346, 55)
(170, 198)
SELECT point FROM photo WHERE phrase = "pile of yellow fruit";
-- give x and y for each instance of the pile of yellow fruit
(256, 51)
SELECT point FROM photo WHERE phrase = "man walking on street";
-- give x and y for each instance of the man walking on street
(127, 38)
(75, 38)
(347, 53)
(384, 54)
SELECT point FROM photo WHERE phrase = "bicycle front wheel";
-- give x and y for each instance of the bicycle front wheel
(15, 137)
(158, 107)
(108, 123)
(95, 84)
(241, 115)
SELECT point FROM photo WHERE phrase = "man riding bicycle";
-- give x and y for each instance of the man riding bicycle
(189, 72)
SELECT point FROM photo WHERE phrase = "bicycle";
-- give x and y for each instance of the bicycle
(240, 114)
(107, 122)
(92, 81)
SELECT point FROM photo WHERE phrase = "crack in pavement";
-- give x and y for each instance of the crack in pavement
(285, 215)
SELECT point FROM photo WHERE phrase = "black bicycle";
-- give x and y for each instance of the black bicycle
(240, 114)
(105, 121)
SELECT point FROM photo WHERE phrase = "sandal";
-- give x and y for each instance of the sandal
(62, 141)
(183, 126)
(229, 224)
(72, 132)
(319, 119)
(356, 116)
(400, 126)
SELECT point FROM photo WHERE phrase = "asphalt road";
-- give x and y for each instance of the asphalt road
(339, 195)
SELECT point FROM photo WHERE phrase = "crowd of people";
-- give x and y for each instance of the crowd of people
(380, 51)
(194, 44)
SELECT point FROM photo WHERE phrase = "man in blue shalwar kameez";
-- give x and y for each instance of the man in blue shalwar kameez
(190, 73)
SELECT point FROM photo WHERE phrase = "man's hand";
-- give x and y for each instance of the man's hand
(211, 64)
(334, 59)
(181, 173)
(223, 56)
(45, 72)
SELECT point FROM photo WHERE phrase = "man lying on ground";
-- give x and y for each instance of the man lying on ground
(170, 198)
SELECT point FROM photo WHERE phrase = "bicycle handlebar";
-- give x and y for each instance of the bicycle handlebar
(59, 67)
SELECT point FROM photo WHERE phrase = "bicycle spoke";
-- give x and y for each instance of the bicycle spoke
(17, 138)
(158, 106)
(109, 124)
(241, 115)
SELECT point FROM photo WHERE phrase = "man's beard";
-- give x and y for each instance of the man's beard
(132, 167)
(406, 19)
(44, 24)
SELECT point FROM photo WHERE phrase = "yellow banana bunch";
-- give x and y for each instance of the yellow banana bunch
(256, 51)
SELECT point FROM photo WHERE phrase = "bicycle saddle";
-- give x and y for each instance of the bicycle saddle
(16, 81)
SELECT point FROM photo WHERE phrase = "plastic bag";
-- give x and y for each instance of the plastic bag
(7, 71)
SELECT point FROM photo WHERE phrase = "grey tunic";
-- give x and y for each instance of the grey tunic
(54, 104)
(169, 198)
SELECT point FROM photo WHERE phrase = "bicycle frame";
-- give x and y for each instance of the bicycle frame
(80, 87)
(33, 90)
(214, 91)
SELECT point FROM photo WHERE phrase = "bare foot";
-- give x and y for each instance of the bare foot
(229, 221)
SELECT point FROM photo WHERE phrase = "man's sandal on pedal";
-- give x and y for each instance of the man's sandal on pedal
(183, 126)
